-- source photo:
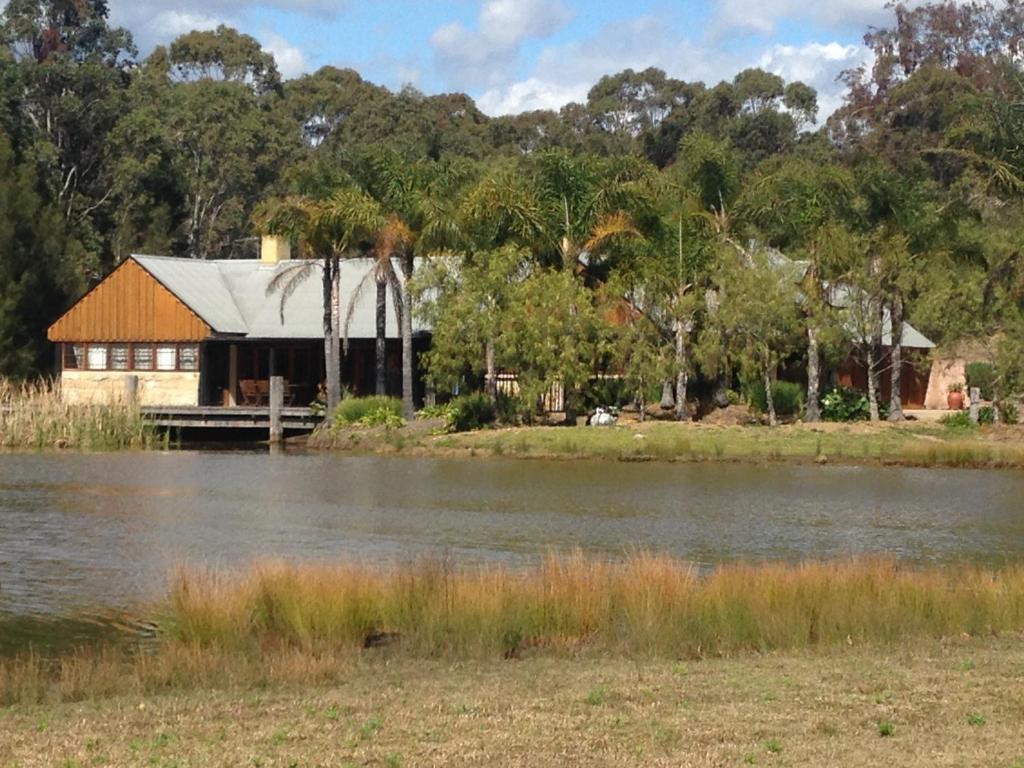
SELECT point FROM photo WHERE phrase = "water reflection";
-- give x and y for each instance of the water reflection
(83, 533)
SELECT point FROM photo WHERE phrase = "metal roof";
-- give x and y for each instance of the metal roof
(233, 297)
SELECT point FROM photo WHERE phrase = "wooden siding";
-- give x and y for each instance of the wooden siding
(129, 305)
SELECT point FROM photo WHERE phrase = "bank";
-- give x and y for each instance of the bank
(908, 444)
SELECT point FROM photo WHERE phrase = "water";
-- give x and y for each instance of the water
(84, 535)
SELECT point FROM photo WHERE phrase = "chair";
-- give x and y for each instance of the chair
(263, 387)
(250, 391)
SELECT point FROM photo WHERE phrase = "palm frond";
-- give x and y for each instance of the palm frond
(366, 280)
(288, 279)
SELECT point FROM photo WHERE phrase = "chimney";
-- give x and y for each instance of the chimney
(274, 249)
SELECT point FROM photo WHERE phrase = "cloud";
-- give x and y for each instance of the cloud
(566, 73)
(154, 22)
(291, 61)
(817, 64)
(485, 56)
(764, 16)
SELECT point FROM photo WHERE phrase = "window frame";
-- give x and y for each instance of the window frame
(70, 362)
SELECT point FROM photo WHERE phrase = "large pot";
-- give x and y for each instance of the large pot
(955, 401)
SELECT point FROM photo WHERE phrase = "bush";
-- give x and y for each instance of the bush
(958, 420)
(369, 412)
(471, 412)
(787, 396)
(986, 415)
(982, 376)
(842, 404)
(1008, 412)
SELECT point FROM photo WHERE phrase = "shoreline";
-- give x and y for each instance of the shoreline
(910, 444)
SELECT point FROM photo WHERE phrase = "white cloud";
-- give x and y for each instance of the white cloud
(485, 56)
(764, 16)
(817, 64)
(291, 61)
(566, 73)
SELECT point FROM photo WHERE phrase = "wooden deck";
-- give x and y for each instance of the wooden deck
(241, 417)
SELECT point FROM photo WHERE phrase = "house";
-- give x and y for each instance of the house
(915, 370)
(212, 333)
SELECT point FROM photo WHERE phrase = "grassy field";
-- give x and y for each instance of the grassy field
(909, 444)
(952, 703)
(33, 417)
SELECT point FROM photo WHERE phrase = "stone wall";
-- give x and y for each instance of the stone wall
(155, 387)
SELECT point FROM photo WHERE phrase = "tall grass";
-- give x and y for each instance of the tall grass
(646, 604)
(276, 623)
(34, 416)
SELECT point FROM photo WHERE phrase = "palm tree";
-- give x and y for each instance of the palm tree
(327, 230)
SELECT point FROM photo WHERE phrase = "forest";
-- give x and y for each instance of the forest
(638, 232)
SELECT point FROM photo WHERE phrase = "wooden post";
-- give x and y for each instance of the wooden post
(276, 406)
(131, 389)
(232, 375)
(975, 404)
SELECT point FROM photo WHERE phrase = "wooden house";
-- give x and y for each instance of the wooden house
(211, 333)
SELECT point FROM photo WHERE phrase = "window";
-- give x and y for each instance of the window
(167, 358)
(74, 356)
(119, 357)
(188, 357)
(142, 357)
(96, 356)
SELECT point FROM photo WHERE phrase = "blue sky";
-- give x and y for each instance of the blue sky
(513, 55)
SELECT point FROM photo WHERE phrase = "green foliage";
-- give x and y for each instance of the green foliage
(471, 412)
(961, 420)
(788, 397)
(842, 404)
(982, 376)
(373, 411)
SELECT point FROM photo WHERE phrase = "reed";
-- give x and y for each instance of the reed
(646, 604)
(34, 416)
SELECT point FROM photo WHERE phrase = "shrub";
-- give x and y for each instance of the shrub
(842, 404)
(1008, 412)
(471, 412)
(958, 420)
(369, 411)
(986, 415)
(982, 376)
(787, 396)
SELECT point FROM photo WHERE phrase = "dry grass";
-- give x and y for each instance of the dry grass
(644, 605)
(33, 416)
(277, 623)
(953, 703)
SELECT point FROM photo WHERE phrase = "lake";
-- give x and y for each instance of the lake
(83, 534)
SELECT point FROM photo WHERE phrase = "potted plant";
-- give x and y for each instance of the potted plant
(955, 398)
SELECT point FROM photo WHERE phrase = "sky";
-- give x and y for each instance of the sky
(517, 55)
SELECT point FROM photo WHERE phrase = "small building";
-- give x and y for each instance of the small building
(212, 333)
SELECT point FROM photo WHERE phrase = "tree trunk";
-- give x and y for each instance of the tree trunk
(668, 395)
(896, 360)
(491, 374)
(813, 375)
(682, 374)
(873, 384)
(332, 362)
(769, 398)
(382, 337)
(641, 401)
(408, 406)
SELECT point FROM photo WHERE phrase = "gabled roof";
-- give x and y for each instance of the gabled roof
(234, 298)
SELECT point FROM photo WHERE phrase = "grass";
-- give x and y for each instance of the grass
(825, 710)
(34, 417)
(909, 445)
(277, 622)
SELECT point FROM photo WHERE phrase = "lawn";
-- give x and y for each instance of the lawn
(928, 704)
